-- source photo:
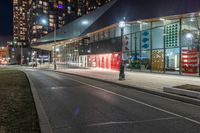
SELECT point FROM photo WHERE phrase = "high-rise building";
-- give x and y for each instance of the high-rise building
(20, 19)
(93, 4)
(33, 19)
(48, 15)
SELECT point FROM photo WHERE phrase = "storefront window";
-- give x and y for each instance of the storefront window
(135, 51)
(60, 56)
(83, 61)
(117, 32)
(190, 32)
(91, 38)
(198, 19)
(146, 25)
(145, 61)
(127, 30)
(158, 38)
(91, 60)
(157, 61)
(72, 55)
(172, 35)
(135, 27)
(172, 60)
(101, 36)
(106, 34)
(112, 33)
(158, 24)
(146, 40)
(136, 41)
(96, 36)
(135, 60)
(63, 54)
(190, 61)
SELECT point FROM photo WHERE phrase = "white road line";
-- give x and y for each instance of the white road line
(128, 122)
(137, 101)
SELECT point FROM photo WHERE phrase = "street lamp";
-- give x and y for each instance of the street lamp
(33, 59)
(122, 24)
(45, 22)
(54, 48)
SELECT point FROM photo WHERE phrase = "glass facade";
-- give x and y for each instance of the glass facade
(160, 46)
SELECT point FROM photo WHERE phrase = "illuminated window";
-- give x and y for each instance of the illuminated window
(51, 16)
(45, 3)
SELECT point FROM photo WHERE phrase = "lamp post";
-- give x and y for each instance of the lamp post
(44, 22)
(21, 53)
(54, 48)
(122, 24)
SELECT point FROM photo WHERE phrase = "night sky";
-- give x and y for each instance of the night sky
(6, 17)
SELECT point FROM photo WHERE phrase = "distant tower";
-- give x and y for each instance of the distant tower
(55, 14)
(20, 22)
(91, 5)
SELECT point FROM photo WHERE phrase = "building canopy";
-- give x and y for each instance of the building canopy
(76, 27)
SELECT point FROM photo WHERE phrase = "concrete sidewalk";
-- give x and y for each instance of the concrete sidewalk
(149, 81)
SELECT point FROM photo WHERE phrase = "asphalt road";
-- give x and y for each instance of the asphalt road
(79, 105)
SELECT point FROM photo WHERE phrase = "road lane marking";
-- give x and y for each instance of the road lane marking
(140, 102)
(128, 122)
(143, 92)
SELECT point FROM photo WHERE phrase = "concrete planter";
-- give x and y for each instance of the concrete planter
(183, 92)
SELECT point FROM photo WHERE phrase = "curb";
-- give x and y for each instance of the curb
(178, 91)
(45, 126)
(162, 94)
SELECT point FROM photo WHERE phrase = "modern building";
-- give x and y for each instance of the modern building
(159, 36)
(45, 16)
(20, 30)
(20, 22)
(49, 15)
(91, 5)
(5, 49)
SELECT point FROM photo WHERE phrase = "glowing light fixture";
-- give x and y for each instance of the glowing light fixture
(44, 21)
(162, 19)
(85, 22)
(189, 36)
(57, 49)
(122, 24)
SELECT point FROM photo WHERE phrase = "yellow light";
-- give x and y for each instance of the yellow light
(162, 19)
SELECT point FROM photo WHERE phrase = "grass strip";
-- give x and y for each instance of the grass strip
(17, 109)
